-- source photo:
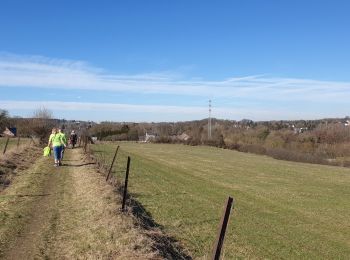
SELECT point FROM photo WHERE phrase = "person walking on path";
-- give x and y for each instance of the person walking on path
(73, 138)
(64, 139)
(56, 141)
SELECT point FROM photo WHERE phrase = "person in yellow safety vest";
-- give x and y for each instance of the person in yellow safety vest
(55, 140)
(64, 139)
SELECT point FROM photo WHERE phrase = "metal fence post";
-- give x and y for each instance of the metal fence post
(7, 142)
(110, 169)
(222, 229)
(126, 184)
(19, 138)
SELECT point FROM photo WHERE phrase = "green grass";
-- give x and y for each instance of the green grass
(12, 143)
(282, 209)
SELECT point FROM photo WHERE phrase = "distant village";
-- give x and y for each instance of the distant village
(179, 131)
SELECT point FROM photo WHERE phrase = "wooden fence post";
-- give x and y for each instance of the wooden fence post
(85, 143)
(126, 184)
(110, 169)
(7, 142)
(222, 229)
(19, 138)
(33, 140)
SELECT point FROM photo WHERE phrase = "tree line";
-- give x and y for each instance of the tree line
(324, 141)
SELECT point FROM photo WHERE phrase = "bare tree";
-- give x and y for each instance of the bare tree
(42, 123)
(3, 119)
(43, 113)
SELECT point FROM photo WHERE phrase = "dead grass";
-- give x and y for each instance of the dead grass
(96, 228)
(67, 213)
(15, 161)
(167, 246)
(12, 145)
(17, 205)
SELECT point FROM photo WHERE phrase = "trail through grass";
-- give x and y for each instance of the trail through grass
(68, 212)
(282, 209)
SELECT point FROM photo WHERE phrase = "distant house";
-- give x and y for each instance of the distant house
(183, 137)
(300, 130)
(150, 137)
(10, 132)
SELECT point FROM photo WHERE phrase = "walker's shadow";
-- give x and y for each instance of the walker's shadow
(166, 245)
(77, 165)
(26, 195)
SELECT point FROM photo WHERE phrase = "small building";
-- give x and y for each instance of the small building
(300, 130)
(10, 132)
(150, 137)
(183, 137)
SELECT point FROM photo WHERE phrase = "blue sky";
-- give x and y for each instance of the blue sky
(163, 60)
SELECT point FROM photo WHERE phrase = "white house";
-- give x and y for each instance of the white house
(150, 137)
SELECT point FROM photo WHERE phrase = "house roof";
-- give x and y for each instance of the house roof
(8, 132)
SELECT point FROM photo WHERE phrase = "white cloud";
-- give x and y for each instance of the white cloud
(258, 97)
(90, 106)
(151, 112)
(42, 72)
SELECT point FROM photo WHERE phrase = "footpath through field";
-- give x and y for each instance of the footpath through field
(66, 213)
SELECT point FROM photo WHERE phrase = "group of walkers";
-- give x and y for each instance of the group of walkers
(58, 142)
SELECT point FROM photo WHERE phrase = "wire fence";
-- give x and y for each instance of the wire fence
(117, 173)
(8, 144)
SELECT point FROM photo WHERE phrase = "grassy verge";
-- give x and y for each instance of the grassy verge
(66, 213)
(283, 209)
(12, 143)
(88, 225)
(17, 202)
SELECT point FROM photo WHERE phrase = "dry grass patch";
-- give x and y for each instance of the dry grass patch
(89, 224)
(17, 204)
(14, 161)
(66, 213)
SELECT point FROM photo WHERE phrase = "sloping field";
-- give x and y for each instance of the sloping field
(282, 209)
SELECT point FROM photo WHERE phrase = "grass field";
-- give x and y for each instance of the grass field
(282, 209)
(12, 143)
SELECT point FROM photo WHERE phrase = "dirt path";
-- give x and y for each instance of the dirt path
(66, 213)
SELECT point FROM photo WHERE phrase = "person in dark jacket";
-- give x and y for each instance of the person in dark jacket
(73, 138)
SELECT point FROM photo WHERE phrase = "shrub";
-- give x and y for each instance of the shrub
(284, 154)
(233, 146)
(252, 148)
